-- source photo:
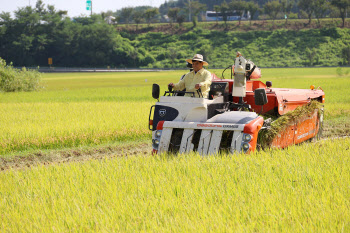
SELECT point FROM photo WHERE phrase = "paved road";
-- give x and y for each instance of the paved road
(69, 70)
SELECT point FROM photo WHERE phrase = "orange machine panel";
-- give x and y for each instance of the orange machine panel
(306, 128)
(282, 100)
(285, 138)
(298, 131)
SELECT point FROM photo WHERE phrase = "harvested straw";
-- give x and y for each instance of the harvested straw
(266, 136)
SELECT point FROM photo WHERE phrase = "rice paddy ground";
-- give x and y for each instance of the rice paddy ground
(88, 109)
(77, 116)
(303, 188)
(75, 157)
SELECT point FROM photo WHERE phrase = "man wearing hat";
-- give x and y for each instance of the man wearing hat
(197, 78)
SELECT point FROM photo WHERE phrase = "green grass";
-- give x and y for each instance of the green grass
(301, 189)
(78, 109)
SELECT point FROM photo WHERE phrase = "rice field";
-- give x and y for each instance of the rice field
(301, 189)
(304, 188)
(77, 109)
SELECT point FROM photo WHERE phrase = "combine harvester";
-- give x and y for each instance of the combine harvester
(232, 118)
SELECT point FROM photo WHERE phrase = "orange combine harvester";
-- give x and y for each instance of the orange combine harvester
(239, 115)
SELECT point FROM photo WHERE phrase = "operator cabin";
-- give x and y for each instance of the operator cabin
(198, 80)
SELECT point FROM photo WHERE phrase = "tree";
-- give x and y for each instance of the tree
(239, 7)
(180, 19)
(272, 9)
(321, 7)
(194, 8)
(40, 8)
(334, 13)
(52, 16)
(138, 18)
(308, 6)
(286, 8)
(225, 11)
(176, 15)
(173, 13)
(27, 18)
(217, 10)
(95, 45)
(5, 18)
(253, 8)
(126, 14)
(23, 46)
(164, 8)
(150, 14)
(342, 5)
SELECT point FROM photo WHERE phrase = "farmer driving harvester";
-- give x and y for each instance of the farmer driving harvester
(199, 78)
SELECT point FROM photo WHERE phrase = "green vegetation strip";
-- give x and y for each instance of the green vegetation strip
(12, 79)
(303, 188)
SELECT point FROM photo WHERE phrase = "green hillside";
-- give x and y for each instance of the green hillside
(278, 48)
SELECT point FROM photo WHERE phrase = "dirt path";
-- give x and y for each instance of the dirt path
(72, 155)
(28, 160)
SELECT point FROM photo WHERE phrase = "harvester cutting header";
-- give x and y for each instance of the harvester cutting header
(234, 115)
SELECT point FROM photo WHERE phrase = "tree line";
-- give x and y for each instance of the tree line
(41, 32)
(189, 10)
(37, 33)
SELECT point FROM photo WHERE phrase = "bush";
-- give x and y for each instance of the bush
(12, 80)
(292, 16)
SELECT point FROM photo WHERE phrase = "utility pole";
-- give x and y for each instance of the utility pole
(89, 6)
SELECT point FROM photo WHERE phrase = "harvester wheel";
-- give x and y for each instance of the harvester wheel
(175, 141)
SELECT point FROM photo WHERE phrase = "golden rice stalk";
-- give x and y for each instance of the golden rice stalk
(266, 137)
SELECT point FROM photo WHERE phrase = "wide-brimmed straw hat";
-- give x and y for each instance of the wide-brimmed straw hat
(197, 57)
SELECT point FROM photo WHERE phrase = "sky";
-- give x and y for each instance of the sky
(78, 7)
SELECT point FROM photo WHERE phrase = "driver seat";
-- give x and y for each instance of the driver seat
(219, 89)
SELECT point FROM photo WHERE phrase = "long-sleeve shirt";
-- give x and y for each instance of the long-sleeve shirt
(190, 80)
